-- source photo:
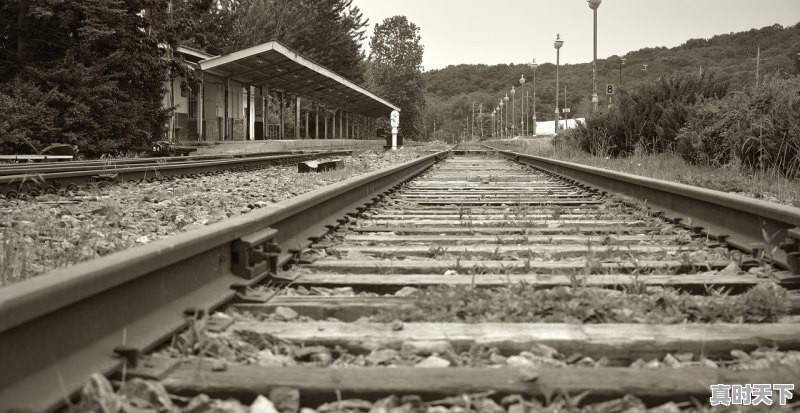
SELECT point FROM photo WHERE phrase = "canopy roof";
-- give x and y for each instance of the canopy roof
(276, 66)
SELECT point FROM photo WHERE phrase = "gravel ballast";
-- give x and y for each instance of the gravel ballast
(56, 231)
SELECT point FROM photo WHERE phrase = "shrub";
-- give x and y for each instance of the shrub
(649, 116)
(758, 125)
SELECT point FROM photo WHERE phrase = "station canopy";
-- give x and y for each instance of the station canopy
(276, 66)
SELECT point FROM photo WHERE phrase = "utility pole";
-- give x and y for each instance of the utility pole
(758, 62)
(472, 125)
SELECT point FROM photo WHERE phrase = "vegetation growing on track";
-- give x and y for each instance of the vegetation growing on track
(764, 303)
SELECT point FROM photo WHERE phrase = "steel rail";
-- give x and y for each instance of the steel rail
(16, 169)
(56, 180)
(747, 224)
(21, 168)
(58, 328)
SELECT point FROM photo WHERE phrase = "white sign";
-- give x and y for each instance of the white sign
(610, 89)
(566, 110)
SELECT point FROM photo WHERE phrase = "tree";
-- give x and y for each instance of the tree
(88, 73)
(394, 71)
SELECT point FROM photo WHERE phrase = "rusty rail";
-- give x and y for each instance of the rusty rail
(57, 329)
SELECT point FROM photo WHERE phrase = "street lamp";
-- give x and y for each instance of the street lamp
(505, 125)
(622, 61)
(502, 131)
(522, 108)
(594, 5)
(557, 44)
(513, 110)
(534, 66)
(497, 122)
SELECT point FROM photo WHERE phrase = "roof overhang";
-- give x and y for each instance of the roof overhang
(275, 65)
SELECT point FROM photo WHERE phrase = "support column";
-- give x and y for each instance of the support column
(225, 115)
(281, 135)
(264, 112)
(347, 126)
(341, 124)
(325, 113)
(333, 125)
(200, 109)
(249, 116)
(308, 135)
(297, 117)
(316, 120)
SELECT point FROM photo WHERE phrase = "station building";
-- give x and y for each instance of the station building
(232, 95)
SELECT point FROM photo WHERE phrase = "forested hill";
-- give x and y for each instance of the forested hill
(452, 90)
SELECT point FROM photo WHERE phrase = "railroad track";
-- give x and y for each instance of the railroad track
(452, 248)
(33, 180)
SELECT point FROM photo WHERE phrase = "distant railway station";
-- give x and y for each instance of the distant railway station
(230, 98)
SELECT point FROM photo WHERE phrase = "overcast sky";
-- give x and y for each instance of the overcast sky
(515, 31)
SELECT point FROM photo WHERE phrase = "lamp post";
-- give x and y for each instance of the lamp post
(534, 66)
(502, 126)
(557, 44)
(594, 5)
(513, 110)
(522, 108)
(622, 61)
(497, 122)
(505, 125)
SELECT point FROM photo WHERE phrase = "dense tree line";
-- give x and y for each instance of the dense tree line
(88, 73)
(731, 57)
(91, 73)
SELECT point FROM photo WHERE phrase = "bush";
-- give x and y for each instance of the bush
(758, 125)
(648, 116)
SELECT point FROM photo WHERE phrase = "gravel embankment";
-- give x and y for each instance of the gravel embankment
(56, 231)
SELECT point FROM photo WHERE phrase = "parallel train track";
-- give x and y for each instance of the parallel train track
(37, 179)
(480, 220)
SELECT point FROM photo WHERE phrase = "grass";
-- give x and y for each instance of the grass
(763, 184)
(764, 303)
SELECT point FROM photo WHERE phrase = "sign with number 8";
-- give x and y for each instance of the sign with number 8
(610, 89)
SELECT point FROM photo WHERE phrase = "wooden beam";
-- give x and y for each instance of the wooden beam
(321, 385)
(620, 343)
(380, 282)
(539, 267)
